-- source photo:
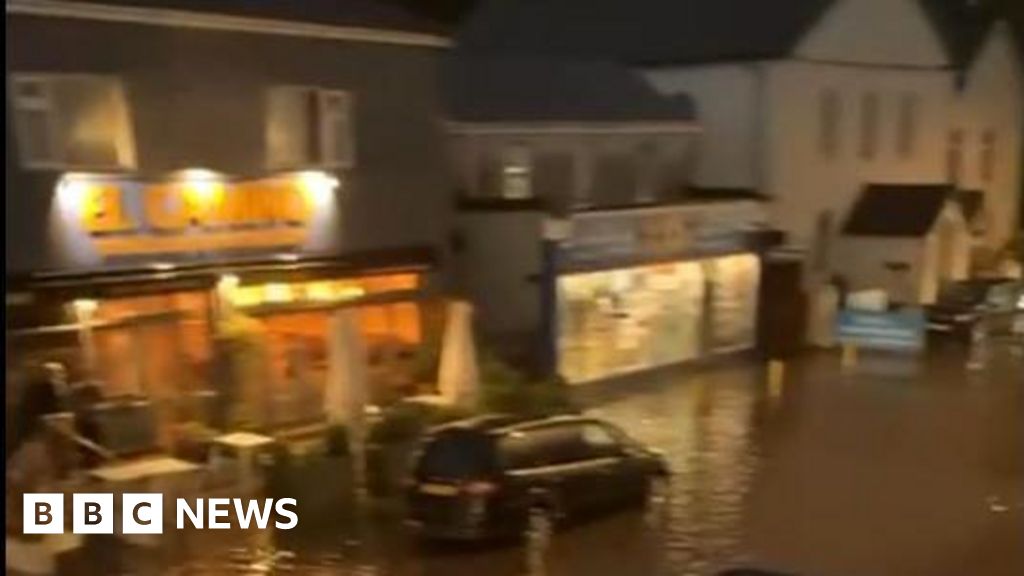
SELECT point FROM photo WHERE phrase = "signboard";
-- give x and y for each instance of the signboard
(197, 212)
(634, 236)
(901, 330)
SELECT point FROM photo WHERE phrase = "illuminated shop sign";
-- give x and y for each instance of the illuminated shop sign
(197, 210)
(658, 233)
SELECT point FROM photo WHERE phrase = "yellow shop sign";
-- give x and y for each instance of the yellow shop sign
(196, 211)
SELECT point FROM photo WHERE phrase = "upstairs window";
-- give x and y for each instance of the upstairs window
(906, 136)
(829, 111)
(516, 173)
(987, 161)
(309, 127)
(72, 122)
(869, 111)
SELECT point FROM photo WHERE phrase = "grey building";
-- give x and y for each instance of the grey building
(582, 243)
(168, 160)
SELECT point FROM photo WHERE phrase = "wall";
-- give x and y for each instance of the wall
(498, 264)
(803, 181)
(992, 98)
(727, 101)
(197, 100)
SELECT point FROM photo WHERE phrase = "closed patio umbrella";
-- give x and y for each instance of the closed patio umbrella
(345, 393)
(458, 378)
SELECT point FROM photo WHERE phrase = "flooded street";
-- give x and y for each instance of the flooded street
(894, 469)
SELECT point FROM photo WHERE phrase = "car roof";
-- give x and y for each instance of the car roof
(507, 423)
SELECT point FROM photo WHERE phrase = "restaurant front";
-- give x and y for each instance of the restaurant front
(641, 288)
(210, 298)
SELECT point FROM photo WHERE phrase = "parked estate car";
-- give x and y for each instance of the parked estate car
(483, 477)
(961, 305)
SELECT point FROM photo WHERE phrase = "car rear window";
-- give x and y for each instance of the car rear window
(457, 455)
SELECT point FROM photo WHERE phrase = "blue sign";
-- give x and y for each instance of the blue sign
(898, 330)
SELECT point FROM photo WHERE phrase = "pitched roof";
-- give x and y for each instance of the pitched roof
(642, 31)
(905, 210)
(547, 90)
(373, 14)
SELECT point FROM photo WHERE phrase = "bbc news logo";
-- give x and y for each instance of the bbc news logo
(143, 513)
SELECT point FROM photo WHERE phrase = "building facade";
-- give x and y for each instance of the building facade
(808, 101)
(179, 180)
(580, 239)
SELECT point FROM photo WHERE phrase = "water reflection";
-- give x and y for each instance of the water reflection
(807, 476)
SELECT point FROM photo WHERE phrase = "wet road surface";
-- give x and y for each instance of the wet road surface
(899, 468)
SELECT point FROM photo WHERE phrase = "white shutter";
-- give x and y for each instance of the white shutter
(72, 121)
(338, 143)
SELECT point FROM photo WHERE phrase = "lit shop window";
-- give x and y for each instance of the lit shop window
(72, 121)
(319, 291)
(309, 127)
(516, 173)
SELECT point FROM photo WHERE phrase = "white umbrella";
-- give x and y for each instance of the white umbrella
(458, 378)
(345, 393)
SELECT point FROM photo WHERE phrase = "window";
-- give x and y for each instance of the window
(906, 137)
(309, 127)
(987, 161)
(869, 109)
(829, 110)
(516, 173)
(954, 156)
(71, 121)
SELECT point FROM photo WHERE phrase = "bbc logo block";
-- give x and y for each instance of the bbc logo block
(93, 513)
(143, 513)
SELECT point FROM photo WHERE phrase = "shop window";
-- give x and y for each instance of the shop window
(987, 161)
(906, 137)
(309, 127)
(829, 112)
(516, 173)
(617, 321)
(72, 121)
(734, 282)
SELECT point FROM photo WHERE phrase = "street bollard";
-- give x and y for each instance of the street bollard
(849, 359)
(977, 356)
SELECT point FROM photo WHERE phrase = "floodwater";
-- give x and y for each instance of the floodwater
(897, 468)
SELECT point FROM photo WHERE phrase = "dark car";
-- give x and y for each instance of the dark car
(483, 477)
(961, 305)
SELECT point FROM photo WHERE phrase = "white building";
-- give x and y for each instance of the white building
(808, 101)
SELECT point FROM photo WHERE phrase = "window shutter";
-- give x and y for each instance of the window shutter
(338, 148)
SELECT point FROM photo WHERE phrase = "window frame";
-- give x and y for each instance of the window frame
(124, 136)
(325, 156)
(870, 119)
(830, 112)
(907, 125)
(987, 156)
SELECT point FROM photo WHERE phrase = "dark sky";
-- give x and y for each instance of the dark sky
(451, 11)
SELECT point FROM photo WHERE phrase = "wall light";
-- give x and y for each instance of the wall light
(75, 192)
(202, 187)
(317, 187)
(84, 307)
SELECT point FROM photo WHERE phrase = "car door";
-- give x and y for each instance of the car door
(623, 473)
